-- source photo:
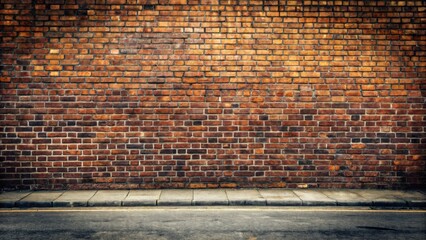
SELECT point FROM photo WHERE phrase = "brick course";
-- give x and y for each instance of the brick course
(212, 93)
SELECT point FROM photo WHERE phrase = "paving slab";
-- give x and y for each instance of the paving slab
(395, 197)
(104, 198)
(313, 197)
(8, 199)
(245, 197)
(142, 198)
(280, 197)
(39, 199)
(171, 197)
(413, 198)
(210, 197)
(74, 198)
(346, 197)
(381, 198)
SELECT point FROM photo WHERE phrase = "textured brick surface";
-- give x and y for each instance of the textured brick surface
(126, 94)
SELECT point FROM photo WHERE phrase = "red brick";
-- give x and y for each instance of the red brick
(165, 93)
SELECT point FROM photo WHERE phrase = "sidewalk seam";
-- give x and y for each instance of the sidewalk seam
(301, 200)
(87, 202)
(157, 202)
(122, 200)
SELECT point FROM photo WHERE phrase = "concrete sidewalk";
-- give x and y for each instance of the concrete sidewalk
(211, 197)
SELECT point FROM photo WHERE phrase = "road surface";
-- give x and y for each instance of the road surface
(212, 223)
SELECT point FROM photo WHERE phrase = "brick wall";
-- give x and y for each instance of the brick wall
(212, 93)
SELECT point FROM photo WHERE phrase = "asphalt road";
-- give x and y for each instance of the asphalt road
(212, 223)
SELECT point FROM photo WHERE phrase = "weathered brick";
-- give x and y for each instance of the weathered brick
(178, 93)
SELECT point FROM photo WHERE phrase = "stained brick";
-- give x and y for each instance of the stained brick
(86, 135)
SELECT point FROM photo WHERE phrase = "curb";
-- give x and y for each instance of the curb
(26, 204)
(215, 197)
